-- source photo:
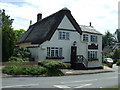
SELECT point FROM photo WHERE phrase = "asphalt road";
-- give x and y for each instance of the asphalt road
(101, 80)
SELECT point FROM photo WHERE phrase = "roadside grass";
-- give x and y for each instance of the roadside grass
(111, 88)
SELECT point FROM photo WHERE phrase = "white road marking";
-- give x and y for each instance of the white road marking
(83, 85)
(79, 81)
(19, 85)
(61, 86)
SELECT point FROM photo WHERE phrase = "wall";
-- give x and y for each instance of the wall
(82, 47)
(99, 50)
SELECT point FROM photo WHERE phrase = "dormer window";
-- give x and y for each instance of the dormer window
(63, 35)
(93, 38)
(85, 37)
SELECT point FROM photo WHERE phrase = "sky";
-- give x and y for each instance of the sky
(102, 13)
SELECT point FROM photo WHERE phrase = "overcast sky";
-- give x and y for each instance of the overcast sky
(102, 13)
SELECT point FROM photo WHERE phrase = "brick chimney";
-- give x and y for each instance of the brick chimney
(90, 23)
(39, 16)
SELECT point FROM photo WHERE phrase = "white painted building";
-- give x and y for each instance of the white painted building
(51, 38)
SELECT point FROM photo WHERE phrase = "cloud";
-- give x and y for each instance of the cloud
(102, 13)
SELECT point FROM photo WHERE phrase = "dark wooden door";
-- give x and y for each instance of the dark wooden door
(73, 56)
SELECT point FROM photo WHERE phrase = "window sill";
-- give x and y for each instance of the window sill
(54, 57)
(93, 60)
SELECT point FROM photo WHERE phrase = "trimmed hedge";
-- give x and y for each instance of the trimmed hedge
(24, 70)
(46, 68)
(53, 64)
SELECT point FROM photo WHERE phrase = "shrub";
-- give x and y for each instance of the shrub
(53, 64)
(118, 62)
(116, 55)
(53, 72)
(14, 59)
(53, 67)
(20, 55)
(24, 70)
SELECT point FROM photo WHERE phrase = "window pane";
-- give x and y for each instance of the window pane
(92, 54)
(93, 38)
(63, 35)
(85, 37)
(56, 53)
(48, 51)
(60, 52)
(52, 53)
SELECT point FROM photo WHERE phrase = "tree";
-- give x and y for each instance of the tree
(19, 33)
(118, 34)
(8, 36)
(108, 39)
(116, 55)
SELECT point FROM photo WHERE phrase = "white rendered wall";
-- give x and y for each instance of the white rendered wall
(66, 24)
(82, 47)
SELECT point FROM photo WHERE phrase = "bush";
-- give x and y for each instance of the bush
(53, 64)
(20, 55)
(18, 59)
(116, 55)
(53, 72)
(53, 67)
(48, 68)
(24, 70)
(118, 62)
(14, 59)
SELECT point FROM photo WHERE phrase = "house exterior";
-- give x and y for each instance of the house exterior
(59, 37)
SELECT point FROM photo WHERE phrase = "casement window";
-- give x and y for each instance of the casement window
(93, 38)
(85, 37)
(63, 35)
(92, 54)
(54, 52)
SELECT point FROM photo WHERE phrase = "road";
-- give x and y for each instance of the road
(101, 80)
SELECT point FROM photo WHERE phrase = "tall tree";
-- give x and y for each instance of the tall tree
(108, 39)
(8, 36)
(118, 35)
(19, 33)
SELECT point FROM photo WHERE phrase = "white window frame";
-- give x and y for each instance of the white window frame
(54, 52)
(92, 54)
(85, 38)
(63, 35)
(93, 38)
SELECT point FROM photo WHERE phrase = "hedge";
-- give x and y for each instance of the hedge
(53, 64)
(46, 68)
(24, 70)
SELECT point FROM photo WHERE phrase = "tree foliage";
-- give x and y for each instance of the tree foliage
(8, 36)
(118, 35)
(108, 39)
(19, 33)
(116, 55)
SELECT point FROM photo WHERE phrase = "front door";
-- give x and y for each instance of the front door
(73, 56)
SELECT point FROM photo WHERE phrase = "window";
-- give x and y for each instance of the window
(93, 38)
(92, 54)
(64, 35)
(85, 37)
(54, 52)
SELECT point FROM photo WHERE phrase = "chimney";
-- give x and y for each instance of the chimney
(30, 22)
(39, 16)
(90, 23)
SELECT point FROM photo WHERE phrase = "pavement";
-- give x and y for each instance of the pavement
(71, 72)
(94, 71)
